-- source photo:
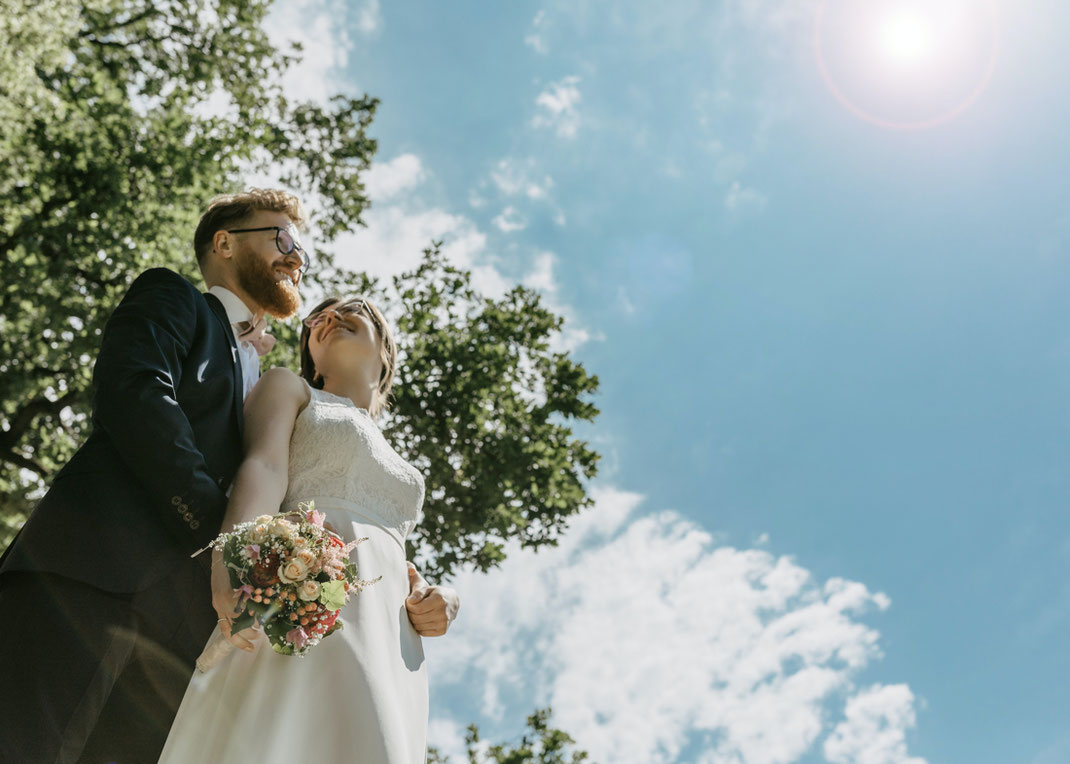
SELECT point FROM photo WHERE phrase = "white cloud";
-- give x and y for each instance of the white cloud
(541, 278)
(535, 39)
(741, 199)
(319, 26)
(385, 180)
(515, 177)
(369, 18)
(652, 643)
(874, 731)
(519, 181)
(448, 738)
(510, 221)
(557, 107)
(396, 235)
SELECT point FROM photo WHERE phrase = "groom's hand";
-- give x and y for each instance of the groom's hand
(431, 608)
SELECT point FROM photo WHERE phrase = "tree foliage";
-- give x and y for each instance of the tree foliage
(541, 744)
(123, 120)
(483, 407)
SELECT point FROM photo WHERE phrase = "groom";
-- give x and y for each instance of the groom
(104, 611)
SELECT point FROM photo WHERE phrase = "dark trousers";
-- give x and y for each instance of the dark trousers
(94, 677)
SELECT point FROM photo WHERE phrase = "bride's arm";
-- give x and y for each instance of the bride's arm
(431, 608)
(260, 485)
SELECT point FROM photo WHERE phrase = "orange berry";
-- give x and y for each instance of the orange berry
(269, 592)
(304, 622)
(291, 596)
(293, 616)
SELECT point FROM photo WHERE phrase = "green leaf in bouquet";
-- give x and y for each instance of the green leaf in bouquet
(276, 629)
(282, 649)
(242, 622)
(333, 594)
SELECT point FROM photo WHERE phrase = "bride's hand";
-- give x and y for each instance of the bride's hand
(431, 608)
(225, 604)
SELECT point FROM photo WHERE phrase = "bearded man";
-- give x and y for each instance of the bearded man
(105, 611)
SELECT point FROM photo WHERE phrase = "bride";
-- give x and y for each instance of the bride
(361, 694)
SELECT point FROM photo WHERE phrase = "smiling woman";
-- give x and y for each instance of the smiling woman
(906, 65)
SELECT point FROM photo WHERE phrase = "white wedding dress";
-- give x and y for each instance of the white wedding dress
(361, 694)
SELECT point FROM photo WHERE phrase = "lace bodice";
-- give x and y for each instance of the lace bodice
(338, 451)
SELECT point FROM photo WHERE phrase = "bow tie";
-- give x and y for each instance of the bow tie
(256, 335)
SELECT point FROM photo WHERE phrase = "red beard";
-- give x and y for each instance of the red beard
(259, 280)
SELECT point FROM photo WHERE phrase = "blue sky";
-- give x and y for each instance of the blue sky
(831, 520)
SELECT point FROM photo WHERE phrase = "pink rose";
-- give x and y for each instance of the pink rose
(297, 637)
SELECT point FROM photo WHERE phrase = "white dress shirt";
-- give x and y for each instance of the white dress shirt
(237, 312)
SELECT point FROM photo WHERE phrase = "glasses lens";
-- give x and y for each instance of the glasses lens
(322, 317)
(284, 241)
(287, 243)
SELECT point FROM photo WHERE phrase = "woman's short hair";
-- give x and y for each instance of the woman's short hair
(388, 351)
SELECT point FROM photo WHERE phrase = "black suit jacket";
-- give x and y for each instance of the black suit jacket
(148, 487)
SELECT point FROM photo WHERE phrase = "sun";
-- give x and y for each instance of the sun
(906, 38)
(906, 64)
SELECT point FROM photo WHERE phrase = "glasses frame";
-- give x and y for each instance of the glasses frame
(306, 259)
(315, 320)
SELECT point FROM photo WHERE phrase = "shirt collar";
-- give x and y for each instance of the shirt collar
(237, 311)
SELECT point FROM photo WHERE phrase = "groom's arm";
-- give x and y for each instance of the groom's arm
(135, 401)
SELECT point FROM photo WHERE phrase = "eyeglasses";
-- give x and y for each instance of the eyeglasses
(318, 319)
(285, 241)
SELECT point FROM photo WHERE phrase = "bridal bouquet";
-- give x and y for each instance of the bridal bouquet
(293, 577)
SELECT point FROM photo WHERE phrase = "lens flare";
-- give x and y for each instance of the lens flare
(906, 38)
(906, 64)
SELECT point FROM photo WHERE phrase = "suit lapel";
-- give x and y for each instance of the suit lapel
(239, 381)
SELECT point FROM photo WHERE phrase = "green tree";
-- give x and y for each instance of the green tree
(109, 151)
(542, 744)
(483, 406)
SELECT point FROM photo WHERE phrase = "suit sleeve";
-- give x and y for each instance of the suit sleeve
(135, 401)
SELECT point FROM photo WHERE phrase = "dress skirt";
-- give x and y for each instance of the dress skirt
(359, 696)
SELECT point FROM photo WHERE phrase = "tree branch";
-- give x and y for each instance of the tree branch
(121, 24)
(24, 462)
(24, 417)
